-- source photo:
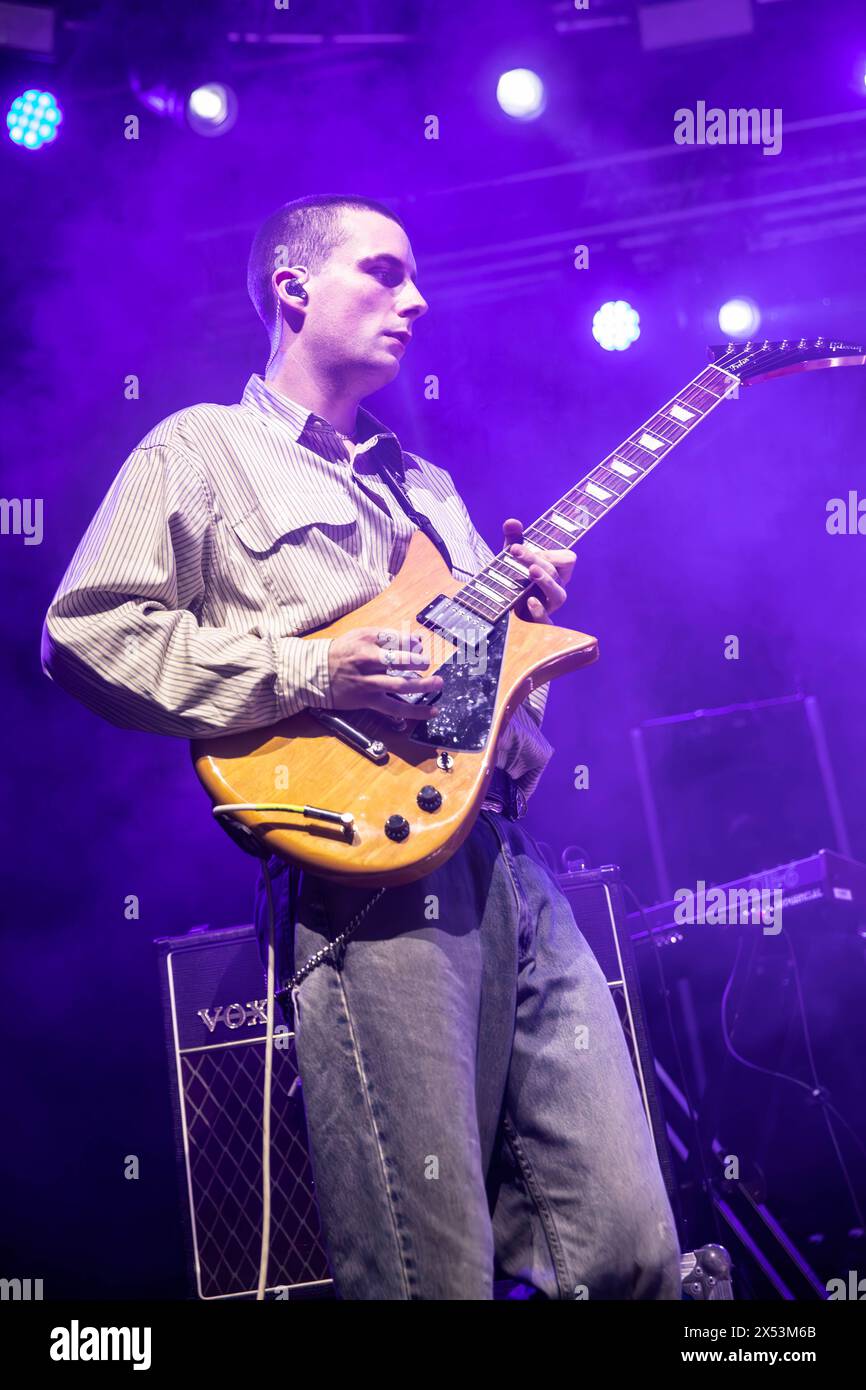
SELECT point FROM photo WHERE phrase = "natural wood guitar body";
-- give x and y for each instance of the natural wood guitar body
(299, 761)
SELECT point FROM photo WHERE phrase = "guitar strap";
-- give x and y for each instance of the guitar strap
(422, 522)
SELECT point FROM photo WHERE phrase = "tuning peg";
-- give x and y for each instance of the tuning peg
(784, 343)
(802, 343)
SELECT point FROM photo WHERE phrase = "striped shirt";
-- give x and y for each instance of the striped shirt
(228, 532)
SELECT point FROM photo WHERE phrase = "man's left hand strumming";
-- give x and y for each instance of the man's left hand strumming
(550, 570)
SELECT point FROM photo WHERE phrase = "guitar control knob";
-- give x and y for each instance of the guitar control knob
(429, 799)
(396, 827)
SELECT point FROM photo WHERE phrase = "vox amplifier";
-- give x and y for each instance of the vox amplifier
(214, 1007)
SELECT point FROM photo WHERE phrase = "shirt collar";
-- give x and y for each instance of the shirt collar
(304, 424)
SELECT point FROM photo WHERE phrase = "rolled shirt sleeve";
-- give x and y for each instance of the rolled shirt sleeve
(123, 634)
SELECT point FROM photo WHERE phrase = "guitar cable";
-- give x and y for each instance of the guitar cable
(266, 1090)
(334, 951)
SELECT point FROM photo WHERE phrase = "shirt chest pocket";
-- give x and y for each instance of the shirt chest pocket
(290, 545)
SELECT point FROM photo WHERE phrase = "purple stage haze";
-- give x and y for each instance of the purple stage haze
(125, 258)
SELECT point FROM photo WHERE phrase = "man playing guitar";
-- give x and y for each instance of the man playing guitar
(470, 1102)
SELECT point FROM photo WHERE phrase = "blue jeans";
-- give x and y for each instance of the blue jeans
(471, 1105)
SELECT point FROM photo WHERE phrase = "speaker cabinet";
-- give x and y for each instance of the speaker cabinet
(214, 1009)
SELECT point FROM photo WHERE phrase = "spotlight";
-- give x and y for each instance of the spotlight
(33, 119)
(739, 318)
(211, 109)
(520, 93)
(616, 326)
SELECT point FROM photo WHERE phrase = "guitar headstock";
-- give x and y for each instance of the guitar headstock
(759, 361)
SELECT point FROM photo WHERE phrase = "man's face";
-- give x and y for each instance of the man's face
(364, 293)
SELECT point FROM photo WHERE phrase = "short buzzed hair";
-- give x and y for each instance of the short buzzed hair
(303, 232)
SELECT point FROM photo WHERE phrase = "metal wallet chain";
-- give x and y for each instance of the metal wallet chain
(335, 950)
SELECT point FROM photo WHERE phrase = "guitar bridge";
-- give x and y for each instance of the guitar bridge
(372, 748)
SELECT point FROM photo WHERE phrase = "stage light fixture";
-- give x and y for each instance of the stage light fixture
(520, 93)
(616, 325)
(33, 118)
(739, 318)
(211, 109)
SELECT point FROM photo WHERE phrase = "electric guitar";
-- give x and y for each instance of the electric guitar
(349, 796)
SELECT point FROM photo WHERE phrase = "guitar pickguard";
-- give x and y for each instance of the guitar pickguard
(464, 710)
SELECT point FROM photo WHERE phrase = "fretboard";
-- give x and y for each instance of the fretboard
(502, 583)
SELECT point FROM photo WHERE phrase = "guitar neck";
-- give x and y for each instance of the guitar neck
(501, 584)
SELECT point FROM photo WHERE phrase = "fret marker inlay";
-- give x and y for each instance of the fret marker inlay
(649, 441)
(679, 412)
(515, 564)
(600, 493)
(625, 470)
(491, 593)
